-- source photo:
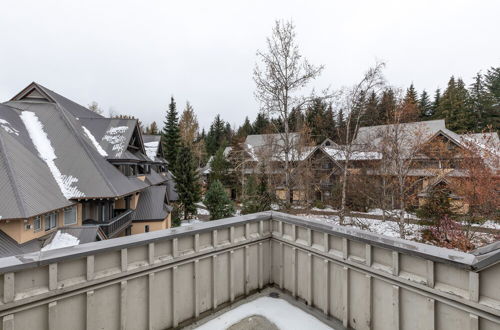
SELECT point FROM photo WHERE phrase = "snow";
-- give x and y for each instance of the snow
(96, 144)
(8, 127)
(47, 153)
(283, 314)
(325, 209)
(355, 155)
(151, 149)
(190, 222)
(115, 136)
(201, 211)
(61, 240)
(391, 213)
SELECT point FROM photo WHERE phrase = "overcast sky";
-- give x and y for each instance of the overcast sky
(131, 56)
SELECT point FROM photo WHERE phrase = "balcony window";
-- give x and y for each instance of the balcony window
(50, 221)
(37, 223)
(70, 216)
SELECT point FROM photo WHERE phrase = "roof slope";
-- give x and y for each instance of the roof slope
(151, 204)
(48, 158)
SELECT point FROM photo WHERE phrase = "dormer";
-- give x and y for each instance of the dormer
(33, 92)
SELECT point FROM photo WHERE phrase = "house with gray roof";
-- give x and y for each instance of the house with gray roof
(64, 166)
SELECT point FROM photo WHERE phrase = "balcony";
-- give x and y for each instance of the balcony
(172, 278)
(117, 224)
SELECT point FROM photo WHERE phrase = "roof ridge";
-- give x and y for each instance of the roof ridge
(85, 146)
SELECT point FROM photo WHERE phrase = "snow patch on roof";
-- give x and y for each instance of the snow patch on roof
(61, 240)
(96, 144)
(8, 127)
(151, 149)
(46, 152)
(338, 154)
(115, 136)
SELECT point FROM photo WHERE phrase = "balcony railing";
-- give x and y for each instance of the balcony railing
(169, 278)
(117, 224)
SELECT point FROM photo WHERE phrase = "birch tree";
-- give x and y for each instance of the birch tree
(280, 75)
(349, 102)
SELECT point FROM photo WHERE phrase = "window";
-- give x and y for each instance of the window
(50, 221)
(146, 228)
(70, 216)
(37, 223)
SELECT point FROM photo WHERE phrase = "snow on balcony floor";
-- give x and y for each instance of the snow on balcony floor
(278, 311)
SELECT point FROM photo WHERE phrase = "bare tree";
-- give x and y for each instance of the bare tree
(350, 102)
(280, 76)
(94, 107)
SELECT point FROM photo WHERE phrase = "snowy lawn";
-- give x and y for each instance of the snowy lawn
(412, 232)
(284, 315)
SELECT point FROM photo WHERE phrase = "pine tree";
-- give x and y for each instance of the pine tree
(219, 167)
(425, 106)
(217, 135)
(435, 104)
(261, 124)
(454, 107)
(315, 117)
(187, 182)
(370, 115)
(251, 202)
(492, 82)
(170, 136)
(386, 107)
(217, 202)
(410, 111)
(245, 129)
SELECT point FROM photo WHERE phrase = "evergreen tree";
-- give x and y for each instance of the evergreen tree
(245, 129)
(454, 107)
(261, 124)
(331, 125)
(219, 167)
(316, 115)
(251, 203)
(437, 206)
(435, 104)
(370, 115)
(170, 136)
(386, 107)
(217, 202)
(295, 120)
(491, 117)
(410, 110)
(425, 106)
(216, 136)
(188, 126)
(187, 182)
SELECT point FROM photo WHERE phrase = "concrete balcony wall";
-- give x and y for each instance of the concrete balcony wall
(161, 279)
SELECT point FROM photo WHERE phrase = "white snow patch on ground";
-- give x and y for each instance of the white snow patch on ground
(391, 213)
(201, 211)
(325, 209)
(283, 314)
(61, 240)
(96, 144)
(8, 127)
(387, 228)
(190, 222)
(46, 152)
(151, 149)
(115, 136)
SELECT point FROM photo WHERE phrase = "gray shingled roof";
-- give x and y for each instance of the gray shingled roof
(27, 185)
(9, 247)
(85, 234)
(151, 204)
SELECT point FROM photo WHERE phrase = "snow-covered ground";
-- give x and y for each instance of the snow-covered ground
(201, 211)
(283, 314)
(61, 240)
(190, 222)
(412, 232)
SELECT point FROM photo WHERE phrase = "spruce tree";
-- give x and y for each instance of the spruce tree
(492, 82)
(370, 116)
(187, 182)
(435, 104)
(245, 129)
(217, 136)
(261, 124)
(425, 106)
(251, 203)
(170, 135)
(386, 107)
(217, 202)
(219, 167)
(454, 107)
(411, 112)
